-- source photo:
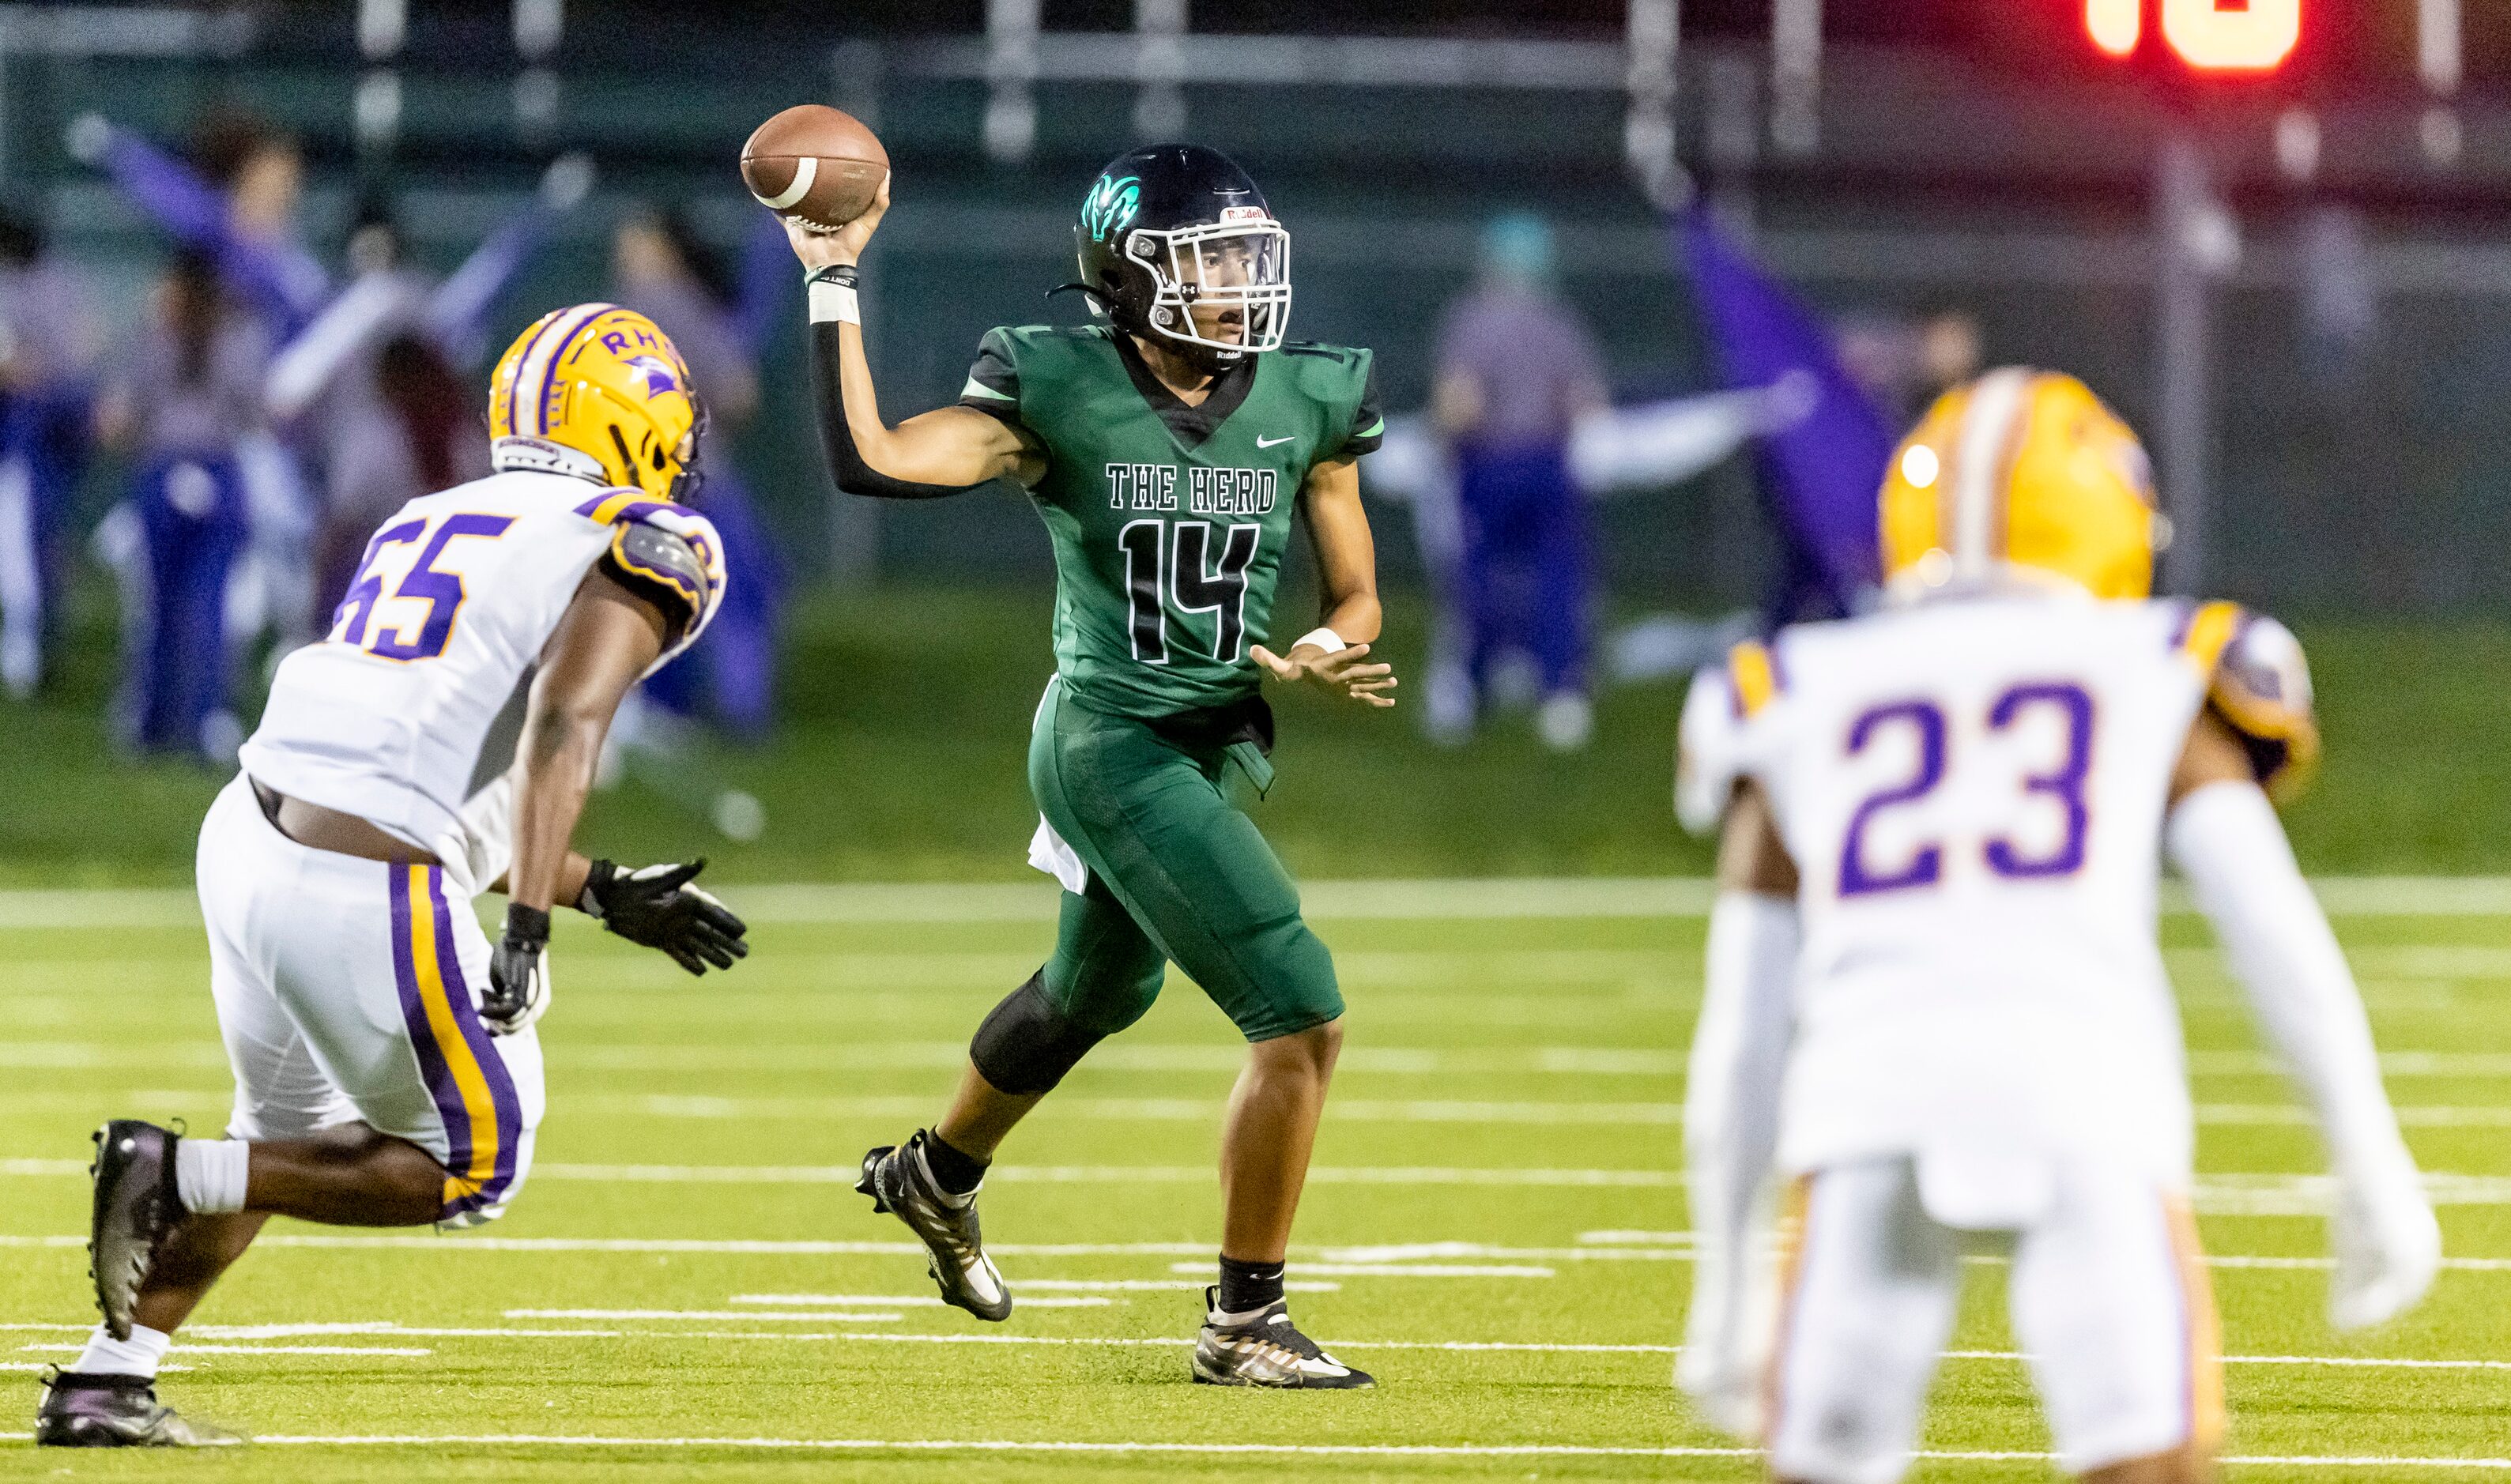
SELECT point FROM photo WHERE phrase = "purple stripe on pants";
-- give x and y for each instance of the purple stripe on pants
(501, 1084)
(431, 1067)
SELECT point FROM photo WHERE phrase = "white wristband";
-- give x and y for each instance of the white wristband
(832, 301)
(1323, 638)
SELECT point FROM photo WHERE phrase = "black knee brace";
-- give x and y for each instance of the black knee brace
(1027, 1045)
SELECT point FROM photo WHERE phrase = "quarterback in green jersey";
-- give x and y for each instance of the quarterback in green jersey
(1167, 446)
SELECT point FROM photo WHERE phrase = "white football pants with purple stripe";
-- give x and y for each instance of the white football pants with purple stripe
(348, 992)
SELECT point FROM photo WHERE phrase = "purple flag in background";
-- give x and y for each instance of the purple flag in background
(1821, 472)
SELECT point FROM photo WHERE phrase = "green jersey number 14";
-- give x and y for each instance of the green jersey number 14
(1191, 579)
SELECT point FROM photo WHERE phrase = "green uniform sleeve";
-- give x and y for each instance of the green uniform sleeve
(993, 382)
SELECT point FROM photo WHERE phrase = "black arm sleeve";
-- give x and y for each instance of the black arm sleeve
(846, 463)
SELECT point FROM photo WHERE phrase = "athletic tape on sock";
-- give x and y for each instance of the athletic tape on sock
(138, 1356)
(209, 1174)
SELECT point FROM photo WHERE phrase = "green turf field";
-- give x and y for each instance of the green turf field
(1495, 1227)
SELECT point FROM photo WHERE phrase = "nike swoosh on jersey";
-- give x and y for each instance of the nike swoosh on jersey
(1267, 442)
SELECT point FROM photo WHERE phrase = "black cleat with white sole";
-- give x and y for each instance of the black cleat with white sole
(136, 1204)
(899, 1183)
(82, 1411)
(1267, 1350)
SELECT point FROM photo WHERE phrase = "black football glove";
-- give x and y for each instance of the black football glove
(518, 978)
(656, 906)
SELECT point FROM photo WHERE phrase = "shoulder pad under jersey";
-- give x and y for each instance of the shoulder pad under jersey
(1723, 701)
(671, 556)
(2258, 682)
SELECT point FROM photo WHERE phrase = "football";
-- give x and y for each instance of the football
(815, 163)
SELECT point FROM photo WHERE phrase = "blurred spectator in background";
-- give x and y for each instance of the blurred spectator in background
(48, 353)
(1516, 373)
(2339, 298)
(377, 388)
(233, 206)
(374, 400)
(180, 397)
(1905, 364)
(665, 271)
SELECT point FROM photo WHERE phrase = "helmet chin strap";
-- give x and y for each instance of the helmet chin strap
(1211, 360)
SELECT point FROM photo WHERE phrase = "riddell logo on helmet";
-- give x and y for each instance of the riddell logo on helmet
(1245, 213)
(1111, 205)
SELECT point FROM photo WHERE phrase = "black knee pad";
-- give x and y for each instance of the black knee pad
(1027, 1045)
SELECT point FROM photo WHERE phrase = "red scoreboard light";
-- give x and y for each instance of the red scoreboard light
(2256, 37)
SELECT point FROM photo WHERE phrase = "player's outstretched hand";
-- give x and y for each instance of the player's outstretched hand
(2388, 1246)
(519, 977)
(1341, 671)
(656, 906)
(821, 250)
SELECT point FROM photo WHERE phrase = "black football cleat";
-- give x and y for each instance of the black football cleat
(1267, 1351)
(81, 1411)
(136, 1204)
(898, 1182)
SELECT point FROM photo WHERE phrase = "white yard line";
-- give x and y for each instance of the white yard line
(1396, 1270)
(779, 1317)
(1190, 1110)
(181, 1348)
(1109, 1174)
(1481, 900)
(1021, 1174)
(1306, 1260)
(361, 1327)
(47, 1365)
(858, 1055)
(2393, 1063)
(1057, 1285)
(848, 1316)
(2291, 1115)
(1261, 1450)
(389, 1328)
(863, 1055)
(1117, 1110)
(864, 1301)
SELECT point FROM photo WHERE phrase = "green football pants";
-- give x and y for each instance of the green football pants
(1178, 874)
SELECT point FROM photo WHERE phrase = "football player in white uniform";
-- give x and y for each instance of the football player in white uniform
(1936, 1004)
(437, 743)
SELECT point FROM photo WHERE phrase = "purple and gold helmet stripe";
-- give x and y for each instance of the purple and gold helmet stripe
(465, 1077)
(1979, 480)
(532, 371)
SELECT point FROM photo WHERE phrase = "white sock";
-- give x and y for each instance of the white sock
(138, 1356)
(209, 1174)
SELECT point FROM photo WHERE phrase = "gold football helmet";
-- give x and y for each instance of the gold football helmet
(606, 383)
(2021, 473)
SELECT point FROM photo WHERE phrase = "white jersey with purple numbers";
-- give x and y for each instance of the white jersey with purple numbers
(406, 713)
(1973, 791)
